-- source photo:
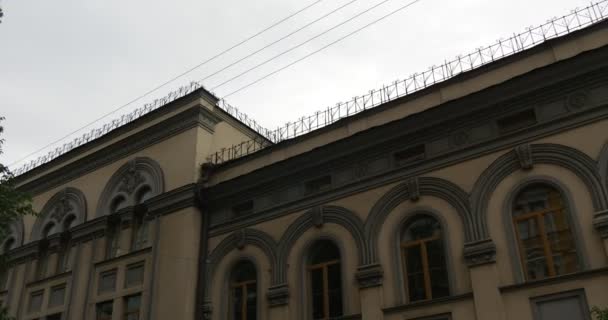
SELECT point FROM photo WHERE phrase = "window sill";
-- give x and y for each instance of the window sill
(50, 278)
(425, 303)
(124, 256)
(553, 280)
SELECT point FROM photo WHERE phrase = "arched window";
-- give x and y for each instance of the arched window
(423, 257)
(49, 230)
(139, 238)
(546, 243)
(325, 280)
(243, 292)
(118, 203)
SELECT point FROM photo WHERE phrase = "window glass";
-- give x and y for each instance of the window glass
(545, 240)
(57, 296)
(132, 306)
(140, 237)
(423, 258)
(569, 306)
(134, 275)
(325, 280)
(104, 310)
(107, 281)
(35, 301)
(244, 291)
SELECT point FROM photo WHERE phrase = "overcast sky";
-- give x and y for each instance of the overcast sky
(65, 63)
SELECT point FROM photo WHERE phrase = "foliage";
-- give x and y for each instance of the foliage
(13, 205)
(600, 314)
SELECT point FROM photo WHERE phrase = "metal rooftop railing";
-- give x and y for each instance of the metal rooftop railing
(553, 28)
(556, 27)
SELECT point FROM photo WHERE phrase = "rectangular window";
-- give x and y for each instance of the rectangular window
(410, 155)
(517, 121)
(570, 305)
(107, 281)
(57, 296)
(135, 274)
(35, 301)
(132, 305)
(318, 185)
(103, 310)
(242, 209)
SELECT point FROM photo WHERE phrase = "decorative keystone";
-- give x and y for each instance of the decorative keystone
(479, 252)
(369, 275)
(278, 295)
(414, 189)
(600, 222)
(524, 156)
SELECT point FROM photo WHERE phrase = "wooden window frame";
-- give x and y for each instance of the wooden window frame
(126, 313)
(428, 292)
(243, 285)
(538, 216)
(324, 266)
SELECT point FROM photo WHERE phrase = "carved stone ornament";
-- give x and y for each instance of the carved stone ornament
(278, 295)
(414, 189)
(479, 252)
(600, 223)
(240, 239)
(62, 208)
(317, 217)
(131, 180)
(577, 100)
(524, 156)
(369, 276)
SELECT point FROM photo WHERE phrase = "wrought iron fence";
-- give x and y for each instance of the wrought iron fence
(553, 28)
(577, 19)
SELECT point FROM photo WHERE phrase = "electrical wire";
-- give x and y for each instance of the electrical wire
(172, 79)
(281, 39)
(301, 44)
(322, 48)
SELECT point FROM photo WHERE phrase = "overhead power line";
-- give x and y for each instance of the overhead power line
(301, 44)
(322, 48)
(281, 39)
(173, 79)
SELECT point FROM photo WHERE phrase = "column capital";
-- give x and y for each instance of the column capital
(600, 222)
(479, 252)
(369, 275)
(278, 295)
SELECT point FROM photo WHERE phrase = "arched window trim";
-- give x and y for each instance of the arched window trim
(401, 291)
(305, 298)
(16, 231)
(569, 207)
(62, 205)
(225, 304)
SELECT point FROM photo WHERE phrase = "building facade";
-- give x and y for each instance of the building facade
(481, 197)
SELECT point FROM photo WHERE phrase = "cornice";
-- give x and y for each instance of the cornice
(174, 200)
(196, 116)
(366, 147)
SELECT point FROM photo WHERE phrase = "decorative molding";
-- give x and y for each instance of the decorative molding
(253, 237)
(524, 155)
(428, 303)
(413, 188)
(427, 186)
(331, 214)
(602, 162)
(369, 276)
(479, 252)
(600, 223)
(195, 116)
(554, 154)
(317, 217)
(278, 295)
(127, 179)
(207, 310)
(171, 201)
(69, 201)
(577, 100)
(15, 232)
